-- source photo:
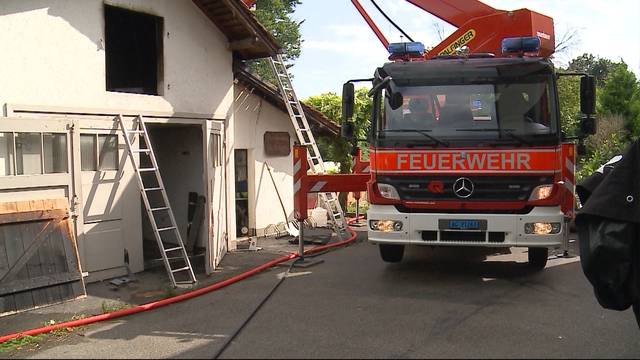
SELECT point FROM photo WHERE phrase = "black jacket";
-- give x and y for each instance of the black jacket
(608, 230)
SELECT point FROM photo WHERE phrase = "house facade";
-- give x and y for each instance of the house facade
(69, 68)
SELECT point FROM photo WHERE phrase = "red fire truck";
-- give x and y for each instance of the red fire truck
(466, 147)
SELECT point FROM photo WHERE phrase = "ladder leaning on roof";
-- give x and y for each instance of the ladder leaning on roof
(156, 206)
(329, 200)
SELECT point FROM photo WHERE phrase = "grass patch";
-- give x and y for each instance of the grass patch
(21, 342)
(111, 306)
(28, 341)
(169, 291)
(66, 330)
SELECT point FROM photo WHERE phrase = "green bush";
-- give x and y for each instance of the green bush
(609, 141)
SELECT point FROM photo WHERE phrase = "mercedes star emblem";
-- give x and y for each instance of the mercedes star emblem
(463, 188)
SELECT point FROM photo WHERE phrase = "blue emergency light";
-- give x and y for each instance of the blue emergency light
(406, 48)
(517, 45)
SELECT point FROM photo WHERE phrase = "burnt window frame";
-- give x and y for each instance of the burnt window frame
(146, 89)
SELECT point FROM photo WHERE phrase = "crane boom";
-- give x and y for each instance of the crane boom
(455, 12)
(481, 28)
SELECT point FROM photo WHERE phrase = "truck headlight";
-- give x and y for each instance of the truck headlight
(542, 228)
(388, 191)
(385, 225)
(541, 192)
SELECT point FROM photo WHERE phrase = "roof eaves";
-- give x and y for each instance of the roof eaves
(265, 45)
(271, 94)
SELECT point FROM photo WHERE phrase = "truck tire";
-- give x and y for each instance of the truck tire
(538, 257)
(391, 253)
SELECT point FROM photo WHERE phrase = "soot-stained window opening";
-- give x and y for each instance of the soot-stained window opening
(133, 45)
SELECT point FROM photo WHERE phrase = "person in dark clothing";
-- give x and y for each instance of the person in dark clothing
(607, 227)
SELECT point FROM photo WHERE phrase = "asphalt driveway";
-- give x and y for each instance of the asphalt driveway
(436, 303)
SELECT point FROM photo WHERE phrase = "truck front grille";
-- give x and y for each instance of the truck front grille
(486, 188)
(464, 236)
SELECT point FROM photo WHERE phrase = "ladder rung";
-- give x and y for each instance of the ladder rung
(166, 228)
(160, 208)
(141, 150)
(147, 169)
(173, 249)
(188, 282)
(180, 269)
(153, 189)
(134, 131)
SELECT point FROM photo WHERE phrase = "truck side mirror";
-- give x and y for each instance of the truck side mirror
(348, 102)
(581, 149)
(588, 105)
(395, 100)
(347, 130)
(588, 125)
(588, 95)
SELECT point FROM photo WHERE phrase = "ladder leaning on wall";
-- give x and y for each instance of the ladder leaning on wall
(156, 202)
(328, 200)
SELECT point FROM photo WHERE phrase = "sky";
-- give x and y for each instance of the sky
(338, 45)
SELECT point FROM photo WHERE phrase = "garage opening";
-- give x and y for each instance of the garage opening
(133, 45)
(179, 153)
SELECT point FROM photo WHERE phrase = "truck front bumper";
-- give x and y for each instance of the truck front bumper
(502, 230)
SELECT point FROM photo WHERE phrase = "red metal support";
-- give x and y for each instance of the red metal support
(371, 24)
(304, 183)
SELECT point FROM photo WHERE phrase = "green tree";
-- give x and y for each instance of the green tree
(600, 68)
(569, 100)
(621, 96)
(275, 15)
(330, 104)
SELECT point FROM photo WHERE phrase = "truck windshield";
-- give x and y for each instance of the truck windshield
(522, 112)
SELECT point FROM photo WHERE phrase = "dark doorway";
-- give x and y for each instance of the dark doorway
(133, 42)
(242, 192)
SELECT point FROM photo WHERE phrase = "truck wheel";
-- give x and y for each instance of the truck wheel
(538, 257)
(391, 253)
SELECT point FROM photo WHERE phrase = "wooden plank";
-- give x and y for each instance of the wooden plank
(25, 253)
(56, 265)
(15, 248)
(33, 205)
(34, 265)
(46, 255)
(71, 255)
(23, 206)
(7, 303)
(8, 208)
(36, 215)
(39, 283)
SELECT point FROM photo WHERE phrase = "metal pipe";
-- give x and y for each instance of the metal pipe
(301, 241)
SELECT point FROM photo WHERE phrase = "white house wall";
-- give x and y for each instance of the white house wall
(253, 117)
(53, 55)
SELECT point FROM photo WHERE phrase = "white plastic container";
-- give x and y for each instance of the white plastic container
(319, 216)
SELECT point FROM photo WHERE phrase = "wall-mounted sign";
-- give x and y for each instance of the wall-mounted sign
(277, 143)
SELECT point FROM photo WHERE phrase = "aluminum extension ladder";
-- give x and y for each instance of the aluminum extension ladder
(329, 200)
(158, 208)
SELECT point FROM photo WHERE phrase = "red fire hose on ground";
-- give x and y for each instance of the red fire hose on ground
(175, 299)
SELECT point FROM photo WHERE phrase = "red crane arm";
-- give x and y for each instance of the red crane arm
(455, 12)
(480, 27)
(371, 24)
